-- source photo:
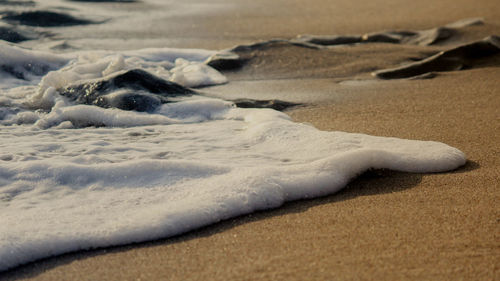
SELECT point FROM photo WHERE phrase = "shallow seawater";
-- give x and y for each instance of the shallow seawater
(80, 170)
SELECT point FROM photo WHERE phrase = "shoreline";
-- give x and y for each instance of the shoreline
(412, 225)
(384, 225)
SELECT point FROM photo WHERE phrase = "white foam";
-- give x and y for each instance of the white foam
(152, 175)
(64, 190)
(44, 72)
(193, 74)
(32, 64)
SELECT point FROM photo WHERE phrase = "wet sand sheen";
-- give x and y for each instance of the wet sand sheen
(384, 226)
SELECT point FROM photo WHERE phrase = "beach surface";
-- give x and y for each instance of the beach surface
(385, 225)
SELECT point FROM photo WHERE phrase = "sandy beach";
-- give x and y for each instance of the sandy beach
(385, 225)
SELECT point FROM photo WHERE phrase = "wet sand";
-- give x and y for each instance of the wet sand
(385, 225)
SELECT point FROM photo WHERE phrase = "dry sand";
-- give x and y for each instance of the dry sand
(384, 225)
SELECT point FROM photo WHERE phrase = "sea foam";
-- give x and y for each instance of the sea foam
(77, 177)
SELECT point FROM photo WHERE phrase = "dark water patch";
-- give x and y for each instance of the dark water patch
(481, 53)
(423, 38)
(273, 104)
(226, 61)
(17, 3)
(263, 56)
(132, 90)
(141, 91)
(11, 35)
(420, 37)
(272, 56)
(12, 71)
(331, 40)
(44, 19)
(270, 43)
